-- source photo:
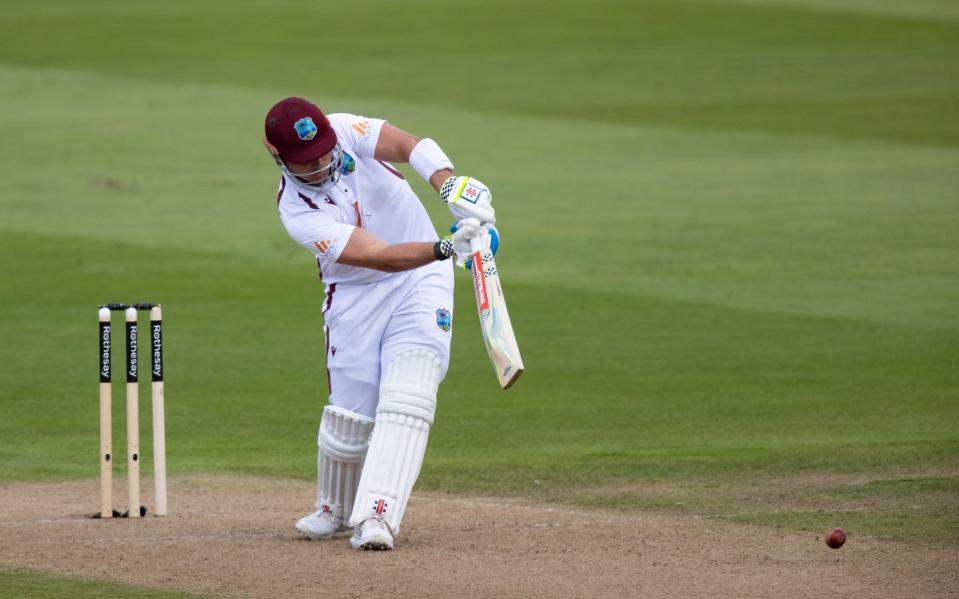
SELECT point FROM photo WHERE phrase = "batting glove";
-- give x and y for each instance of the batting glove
(488, 230)
(468, 198)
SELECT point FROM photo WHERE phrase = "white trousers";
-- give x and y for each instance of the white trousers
(368, 325)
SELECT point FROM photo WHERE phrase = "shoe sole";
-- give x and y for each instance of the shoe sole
(374, 544)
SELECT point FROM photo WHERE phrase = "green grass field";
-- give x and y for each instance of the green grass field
(730, 242)
(16, 585)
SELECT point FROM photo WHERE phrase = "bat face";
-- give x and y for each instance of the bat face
(494, 317)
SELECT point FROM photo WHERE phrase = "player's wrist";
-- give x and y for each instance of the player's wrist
(443, 249)
(440, 177)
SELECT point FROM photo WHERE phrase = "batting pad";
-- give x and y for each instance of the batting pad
(343, 440)
(403, 419)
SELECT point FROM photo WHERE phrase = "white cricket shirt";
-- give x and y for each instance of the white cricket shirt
(374, 196)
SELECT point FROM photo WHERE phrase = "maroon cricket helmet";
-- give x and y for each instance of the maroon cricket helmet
(299, 131)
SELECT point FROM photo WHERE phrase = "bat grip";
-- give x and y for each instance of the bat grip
(480, 244)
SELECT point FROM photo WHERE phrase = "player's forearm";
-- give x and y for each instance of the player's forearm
(394, 258)
(405, 256)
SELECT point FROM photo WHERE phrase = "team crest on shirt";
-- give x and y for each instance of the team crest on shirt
(347, 164)
(444, 319)
(305, 128)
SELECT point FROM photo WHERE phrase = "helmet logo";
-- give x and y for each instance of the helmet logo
(347, 164)
(305, 128)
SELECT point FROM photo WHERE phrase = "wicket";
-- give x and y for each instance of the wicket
(133, 410)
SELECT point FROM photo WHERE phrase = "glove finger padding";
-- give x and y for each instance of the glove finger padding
(468, 198)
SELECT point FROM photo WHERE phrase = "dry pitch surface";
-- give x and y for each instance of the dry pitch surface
(233, 537)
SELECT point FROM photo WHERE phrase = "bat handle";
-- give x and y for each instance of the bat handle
(480, 244)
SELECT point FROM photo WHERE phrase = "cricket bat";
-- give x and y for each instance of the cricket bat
(494, 318)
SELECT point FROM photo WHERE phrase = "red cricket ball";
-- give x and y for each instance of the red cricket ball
(836, 538)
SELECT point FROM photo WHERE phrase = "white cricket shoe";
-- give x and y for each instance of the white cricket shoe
(320, 525)
(372, 534)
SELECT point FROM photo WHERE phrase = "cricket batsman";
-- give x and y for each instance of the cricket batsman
(388, 308)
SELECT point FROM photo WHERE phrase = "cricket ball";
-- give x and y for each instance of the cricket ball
(836, 538)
